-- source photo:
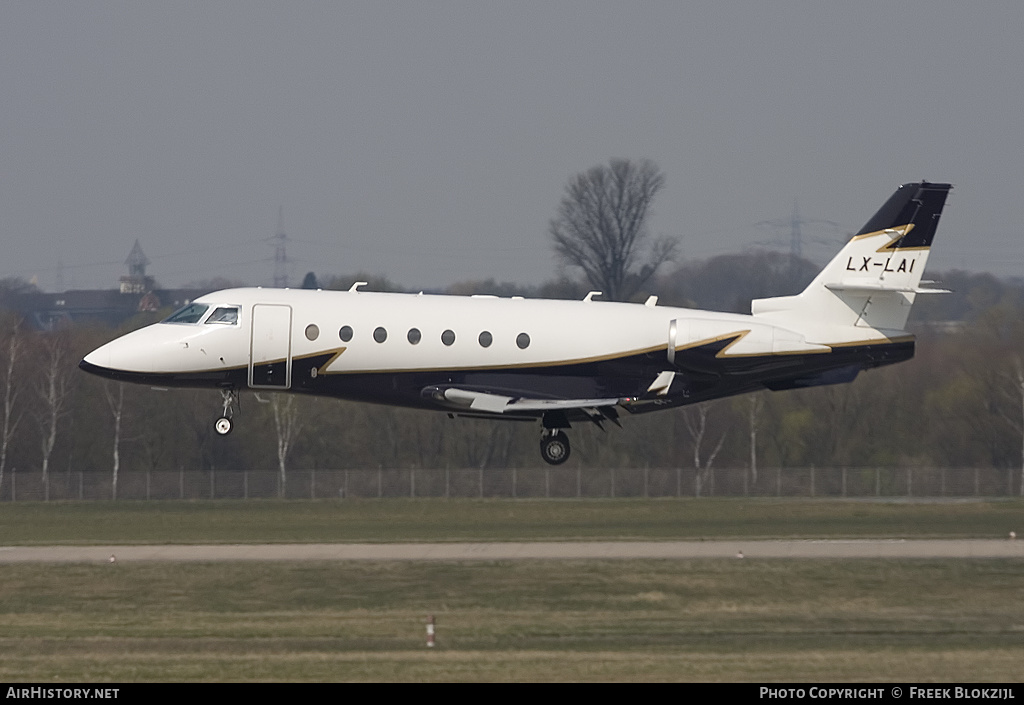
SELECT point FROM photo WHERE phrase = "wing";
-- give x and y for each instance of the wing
(472, 402)
(502, 404)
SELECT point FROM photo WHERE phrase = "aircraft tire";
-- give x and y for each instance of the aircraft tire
(223, 426)
(555, 448)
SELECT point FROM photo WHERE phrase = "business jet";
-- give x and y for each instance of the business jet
(546, 361)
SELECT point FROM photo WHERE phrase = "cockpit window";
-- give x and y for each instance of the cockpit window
(189, 314)
(225, 315)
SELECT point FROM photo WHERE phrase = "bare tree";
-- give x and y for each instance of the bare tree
(696, 420)
(54, 389)
(286, 423)
(755, 404)
(1020, 388)
(601, 226)
(115, 400)
(1016, 382)
(487, 445)
(10, 396)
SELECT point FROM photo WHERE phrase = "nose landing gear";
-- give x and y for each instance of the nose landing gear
(224, 424)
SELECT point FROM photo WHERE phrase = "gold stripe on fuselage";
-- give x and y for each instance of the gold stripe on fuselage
(723, 353)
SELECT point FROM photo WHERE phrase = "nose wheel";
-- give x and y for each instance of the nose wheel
(224, 424)
(554, 447)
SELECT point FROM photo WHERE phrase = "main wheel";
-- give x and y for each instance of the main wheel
(555, 448)
(223, 426)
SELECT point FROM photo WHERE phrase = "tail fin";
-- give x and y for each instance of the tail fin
(875, 278)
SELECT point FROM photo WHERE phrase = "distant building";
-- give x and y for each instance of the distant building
(44, 311)
(135, 294)
(136, 282)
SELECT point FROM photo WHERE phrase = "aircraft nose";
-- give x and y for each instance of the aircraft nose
(132, 354)
(115, 355)
(100, 357)
(105, 362)
(91, 367)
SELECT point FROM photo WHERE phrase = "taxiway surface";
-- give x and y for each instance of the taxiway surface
(553, 550)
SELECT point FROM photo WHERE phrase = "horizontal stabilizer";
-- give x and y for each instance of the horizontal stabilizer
(875, 287)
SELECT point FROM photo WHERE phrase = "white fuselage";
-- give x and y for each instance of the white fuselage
(452, 332)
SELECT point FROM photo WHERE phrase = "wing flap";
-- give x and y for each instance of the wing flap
(502, 404)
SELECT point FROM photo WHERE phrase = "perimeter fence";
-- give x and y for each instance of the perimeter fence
(514, 483)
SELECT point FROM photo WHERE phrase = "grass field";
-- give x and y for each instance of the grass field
(577, 621)
(274, 521)
(638, 620)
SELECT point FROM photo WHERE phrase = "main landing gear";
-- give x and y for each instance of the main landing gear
(554, 446)
(224, 424)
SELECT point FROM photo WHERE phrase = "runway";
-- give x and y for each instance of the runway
(511, 551)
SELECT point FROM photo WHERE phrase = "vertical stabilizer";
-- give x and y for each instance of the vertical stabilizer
(875, 278)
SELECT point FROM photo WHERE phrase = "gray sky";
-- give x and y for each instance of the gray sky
(431, 141)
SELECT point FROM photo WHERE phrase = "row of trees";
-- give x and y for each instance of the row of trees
(959, 403)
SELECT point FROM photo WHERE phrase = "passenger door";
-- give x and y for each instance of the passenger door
(270, 349)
